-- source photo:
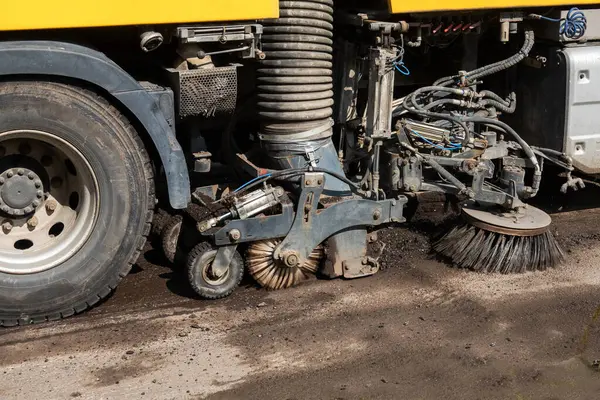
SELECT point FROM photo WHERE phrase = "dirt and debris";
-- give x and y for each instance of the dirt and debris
(417, 330)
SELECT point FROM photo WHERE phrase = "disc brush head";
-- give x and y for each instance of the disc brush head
(274, 274)
(501, 242)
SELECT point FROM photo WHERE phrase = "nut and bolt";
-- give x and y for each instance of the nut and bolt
(20, 171)
(32, 222)
(320, 182)
(290, 258)
(38, 184)
(376, 215)
(31, 175)
(50, 205)
(235, 235)
(372, 237)
(7, 226)
(10, 174)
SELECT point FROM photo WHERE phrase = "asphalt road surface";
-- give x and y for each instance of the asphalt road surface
(416, 330)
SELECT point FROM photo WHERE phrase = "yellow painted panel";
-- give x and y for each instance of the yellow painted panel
(48, 14)
(405, 6)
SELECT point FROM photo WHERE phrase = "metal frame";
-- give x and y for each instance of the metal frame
(310, 225)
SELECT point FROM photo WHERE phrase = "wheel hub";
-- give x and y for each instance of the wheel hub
(21, 191)
(48, 201)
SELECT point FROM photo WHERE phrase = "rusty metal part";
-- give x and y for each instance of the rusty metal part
(275, 274)
(170, 237)
(524, 221)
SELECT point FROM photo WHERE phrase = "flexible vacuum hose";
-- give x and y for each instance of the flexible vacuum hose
(295, 87)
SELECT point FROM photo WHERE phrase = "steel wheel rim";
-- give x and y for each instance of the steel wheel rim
(68, 209)
(206, 267)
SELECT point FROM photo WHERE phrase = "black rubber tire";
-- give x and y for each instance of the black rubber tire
(200, 286)
(126, 188)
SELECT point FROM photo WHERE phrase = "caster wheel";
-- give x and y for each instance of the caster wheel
(202, 279)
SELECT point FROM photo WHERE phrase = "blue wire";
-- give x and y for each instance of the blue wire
(574, 24)
(251, 182)
(455, 146)
(403, 69)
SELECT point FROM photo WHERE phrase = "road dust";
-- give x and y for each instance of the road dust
(416, 330)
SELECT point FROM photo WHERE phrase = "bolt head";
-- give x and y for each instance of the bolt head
(36, 203)
(235, 234)
(2, 180)
(31, 175)
(376, 215)
(20, 171)
(7, 226)
(38, 183)
(10, 174)
(39, 194)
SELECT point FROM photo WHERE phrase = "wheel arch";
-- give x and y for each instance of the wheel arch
(79, 63)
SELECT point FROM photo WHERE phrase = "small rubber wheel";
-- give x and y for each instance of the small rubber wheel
(202, 279)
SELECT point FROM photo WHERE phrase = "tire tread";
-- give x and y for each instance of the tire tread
(89, 96)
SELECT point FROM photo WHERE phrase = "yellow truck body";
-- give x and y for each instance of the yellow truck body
(406, 6)
(43, 14)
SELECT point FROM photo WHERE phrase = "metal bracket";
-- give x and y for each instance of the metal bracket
(248, 36)
(259, 228)
(222, 260)
(313, 225)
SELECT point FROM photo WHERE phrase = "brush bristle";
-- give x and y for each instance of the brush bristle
(467, 246)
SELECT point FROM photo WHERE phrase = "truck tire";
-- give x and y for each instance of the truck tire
(76, 200)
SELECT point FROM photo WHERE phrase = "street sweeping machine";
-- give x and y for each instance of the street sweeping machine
(276, 137)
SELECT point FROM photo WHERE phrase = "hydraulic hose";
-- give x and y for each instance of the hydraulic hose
(497, 66)
(537, 175)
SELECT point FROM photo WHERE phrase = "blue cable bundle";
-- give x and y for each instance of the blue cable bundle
(573, 26)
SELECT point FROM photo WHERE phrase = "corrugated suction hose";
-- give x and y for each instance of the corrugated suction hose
(295, 87)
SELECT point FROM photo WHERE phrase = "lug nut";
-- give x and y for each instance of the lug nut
(2, 181)
(51, 206)
(31, 175)
(10, 174)
(20, 171)
(35, 203)
(39, 194)
(32, 222)
(38, 184)
(7, 226)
